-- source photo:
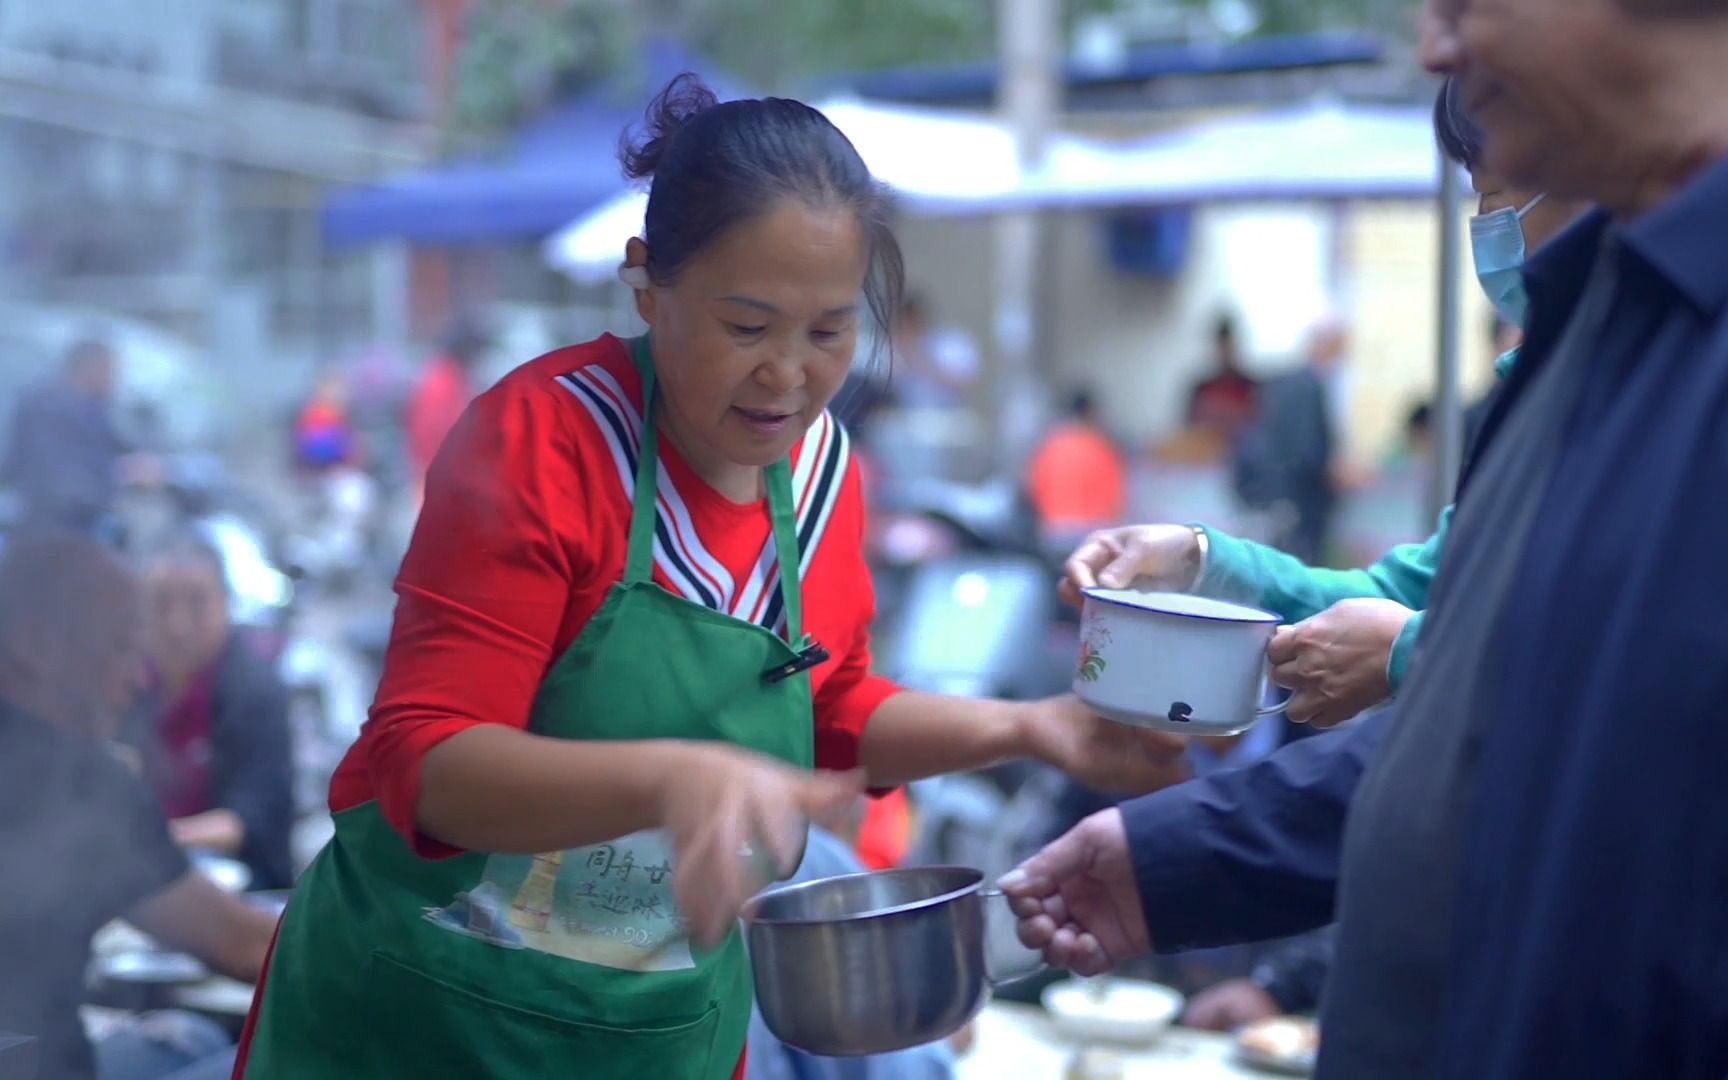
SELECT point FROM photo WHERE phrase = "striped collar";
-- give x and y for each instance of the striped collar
(681, 561)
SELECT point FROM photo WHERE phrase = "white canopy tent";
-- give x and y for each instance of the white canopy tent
(936, 162)
(1315, 151)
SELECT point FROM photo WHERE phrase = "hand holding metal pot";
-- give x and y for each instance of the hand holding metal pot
(1077, 900)
(1336, 662)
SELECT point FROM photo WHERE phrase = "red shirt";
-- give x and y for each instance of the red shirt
(1226, 401)
(187, 732)
(434, 408)
(524, 532)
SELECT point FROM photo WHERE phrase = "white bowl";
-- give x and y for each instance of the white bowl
(1130, 1012)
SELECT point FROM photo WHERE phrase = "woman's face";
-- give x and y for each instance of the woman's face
(188, 615)
(756, 335)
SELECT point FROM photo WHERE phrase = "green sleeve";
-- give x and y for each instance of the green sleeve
(1398, 664)
(1252, 573)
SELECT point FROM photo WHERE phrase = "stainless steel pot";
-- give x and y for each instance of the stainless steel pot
(871, 963)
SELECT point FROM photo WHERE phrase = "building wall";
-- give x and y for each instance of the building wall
(1140, 343)
(1393, 250)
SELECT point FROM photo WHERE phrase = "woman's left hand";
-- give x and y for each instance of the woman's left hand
(1336, 661)
(1103, 754)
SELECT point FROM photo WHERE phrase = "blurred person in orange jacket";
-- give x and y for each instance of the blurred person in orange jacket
(444, 390)
(1078, 478)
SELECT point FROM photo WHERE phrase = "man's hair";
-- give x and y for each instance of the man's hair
(1460, 138)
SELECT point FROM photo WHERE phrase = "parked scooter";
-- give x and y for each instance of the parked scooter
(966, 602)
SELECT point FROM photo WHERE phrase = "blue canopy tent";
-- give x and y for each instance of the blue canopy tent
(558, 166)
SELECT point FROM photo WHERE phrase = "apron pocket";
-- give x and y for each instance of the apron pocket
(430, 1028)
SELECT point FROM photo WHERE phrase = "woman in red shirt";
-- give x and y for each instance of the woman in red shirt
(631, 659)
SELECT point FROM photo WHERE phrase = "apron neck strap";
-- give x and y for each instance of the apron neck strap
(784, 514)
(644, 515)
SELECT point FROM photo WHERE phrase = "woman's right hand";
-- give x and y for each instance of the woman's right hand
(1168, 556)
(738, 821)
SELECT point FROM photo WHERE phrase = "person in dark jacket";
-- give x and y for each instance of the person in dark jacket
(219, 749)
(1296, 431)
(64, 455)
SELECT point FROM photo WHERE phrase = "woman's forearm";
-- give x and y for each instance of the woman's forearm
(912, 736)
(500, 789)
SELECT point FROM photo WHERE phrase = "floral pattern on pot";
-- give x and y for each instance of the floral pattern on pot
(1094, 636)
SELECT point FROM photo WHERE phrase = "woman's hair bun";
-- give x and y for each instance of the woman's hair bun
(682, 100)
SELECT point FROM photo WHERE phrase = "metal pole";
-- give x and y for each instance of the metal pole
(1448, 406)
(1028, 96)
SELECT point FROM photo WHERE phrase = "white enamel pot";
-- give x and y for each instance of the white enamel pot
(1174, 662)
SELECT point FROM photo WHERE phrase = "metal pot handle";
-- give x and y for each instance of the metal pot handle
(1265, 685)
(1014, 975)
(1274, 710)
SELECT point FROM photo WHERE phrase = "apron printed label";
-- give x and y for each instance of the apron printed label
(610, 904)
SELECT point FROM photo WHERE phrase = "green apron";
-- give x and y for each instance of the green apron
(569, 964)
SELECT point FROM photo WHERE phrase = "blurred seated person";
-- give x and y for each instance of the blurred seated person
(1078, 478)
(82, 837)
(1288, 980)
(214, 732)
(829, 853)
(935, 367)
(1224, 402)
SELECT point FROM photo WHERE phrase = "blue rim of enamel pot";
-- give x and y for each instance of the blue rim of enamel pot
(1098, 593)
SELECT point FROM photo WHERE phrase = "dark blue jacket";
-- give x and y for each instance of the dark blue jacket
(1253, 853)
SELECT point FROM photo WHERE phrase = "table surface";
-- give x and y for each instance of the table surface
(1015, 1040)
(215, 994)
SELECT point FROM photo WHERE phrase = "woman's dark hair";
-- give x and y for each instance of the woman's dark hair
(715, 164)
(1460, 138)
(188, 546)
